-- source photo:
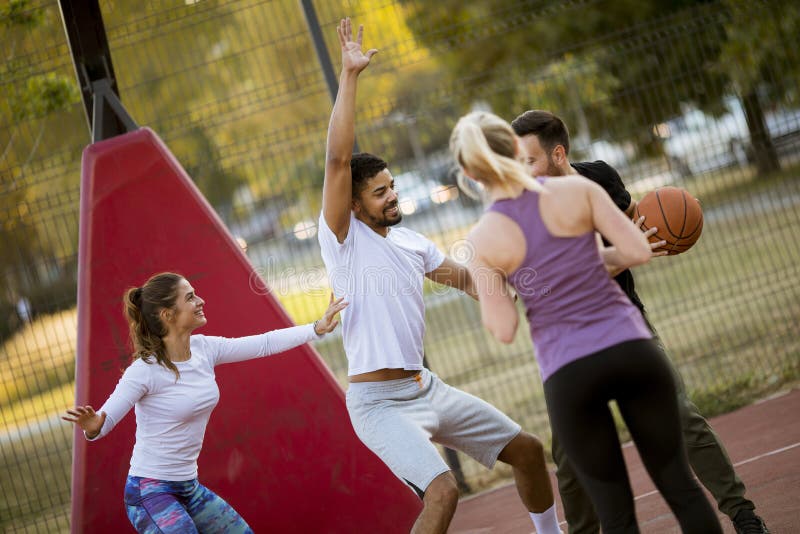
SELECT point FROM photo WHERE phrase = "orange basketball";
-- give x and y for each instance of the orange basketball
(677, 215)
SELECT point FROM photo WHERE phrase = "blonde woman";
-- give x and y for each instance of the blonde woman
(592, 344)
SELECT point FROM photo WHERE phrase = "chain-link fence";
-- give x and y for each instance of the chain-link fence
(704, 97)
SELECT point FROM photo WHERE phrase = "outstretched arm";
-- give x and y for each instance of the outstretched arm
(229, 350)
(453, 274)
(133, 385)
(337, 191)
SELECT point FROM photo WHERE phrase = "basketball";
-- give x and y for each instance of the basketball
(677, 215)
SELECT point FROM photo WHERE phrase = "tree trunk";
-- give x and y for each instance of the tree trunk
(766, 158)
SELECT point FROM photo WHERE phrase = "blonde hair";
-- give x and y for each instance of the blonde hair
(484, 145)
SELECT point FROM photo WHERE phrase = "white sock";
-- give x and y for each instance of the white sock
(546, 522)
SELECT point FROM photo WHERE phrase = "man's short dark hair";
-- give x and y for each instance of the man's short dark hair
(549, 128)
(364, 166)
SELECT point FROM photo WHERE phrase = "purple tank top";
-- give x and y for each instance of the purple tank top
(574, 307)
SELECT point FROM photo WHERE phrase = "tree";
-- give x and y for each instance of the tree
(42, 128)
(28, 103)
(760, 57)
(201, 160)
(663, 53)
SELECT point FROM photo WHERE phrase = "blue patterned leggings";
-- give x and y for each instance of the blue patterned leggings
(156, 506)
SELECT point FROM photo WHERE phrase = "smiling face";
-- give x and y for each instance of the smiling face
(537, 160)
(188, 311)
(376, 204)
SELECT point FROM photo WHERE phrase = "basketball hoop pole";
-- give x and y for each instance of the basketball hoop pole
(88, 44)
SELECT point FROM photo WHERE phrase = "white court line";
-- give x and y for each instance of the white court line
(770, 453)
(737, 464)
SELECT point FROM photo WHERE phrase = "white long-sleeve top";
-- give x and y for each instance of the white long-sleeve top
(171, 416)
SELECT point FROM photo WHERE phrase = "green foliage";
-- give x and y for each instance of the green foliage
(628, 60)
(18, 13)
(32, 98)
(42, 95)
(201, 160)
(18, 234)
(727, 396)
(715, 399)
(762, 46)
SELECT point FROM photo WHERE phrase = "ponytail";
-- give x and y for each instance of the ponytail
(143, 306)
(484, 145)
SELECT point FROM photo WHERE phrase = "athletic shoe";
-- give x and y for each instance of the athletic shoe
(747, 522)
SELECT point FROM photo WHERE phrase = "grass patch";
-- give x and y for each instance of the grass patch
(38, 358)
(724, 397)
(35, 486)
(34, 408)
(725, 185)
(305, 307)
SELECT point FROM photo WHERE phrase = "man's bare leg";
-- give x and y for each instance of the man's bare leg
(525, 454)
(440, 500)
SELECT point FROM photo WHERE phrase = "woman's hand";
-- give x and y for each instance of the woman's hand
(85, 417)
(654, 246)
(327, 322)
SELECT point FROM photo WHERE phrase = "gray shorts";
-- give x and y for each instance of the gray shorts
(398, 419)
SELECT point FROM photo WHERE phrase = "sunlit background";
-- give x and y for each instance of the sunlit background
(700, 94)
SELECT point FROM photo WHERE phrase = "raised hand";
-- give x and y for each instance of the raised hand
(353, 58)
(328, 322)
(647, 233)
(85, 417)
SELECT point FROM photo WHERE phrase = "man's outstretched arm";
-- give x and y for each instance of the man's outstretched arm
(453, 274)
(337, 191)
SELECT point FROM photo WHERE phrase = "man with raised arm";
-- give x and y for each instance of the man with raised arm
(396, 406)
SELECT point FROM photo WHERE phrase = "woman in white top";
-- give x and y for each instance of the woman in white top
(171, 386)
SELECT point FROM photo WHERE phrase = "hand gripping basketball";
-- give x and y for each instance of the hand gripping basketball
(677, 215)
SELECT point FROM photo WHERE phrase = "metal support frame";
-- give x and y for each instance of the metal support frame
(88, 44)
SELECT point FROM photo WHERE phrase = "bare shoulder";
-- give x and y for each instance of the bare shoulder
(568, 190)
(565, 205)
(498, 241)
(572, 183)
(490, 229)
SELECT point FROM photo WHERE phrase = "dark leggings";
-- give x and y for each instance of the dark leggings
(636, 375)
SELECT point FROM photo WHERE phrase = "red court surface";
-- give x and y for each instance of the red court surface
(762, 439)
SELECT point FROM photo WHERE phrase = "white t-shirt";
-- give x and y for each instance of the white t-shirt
(381, 278)
(171, 417)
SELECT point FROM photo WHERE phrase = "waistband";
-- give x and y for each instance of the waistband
(400, 385)
(139, 488)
